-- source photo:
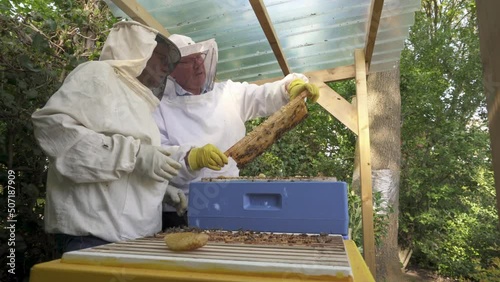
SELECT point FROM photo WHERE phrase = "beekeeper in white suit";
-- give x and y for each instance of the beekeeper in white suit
(108, 174)
(196, 110)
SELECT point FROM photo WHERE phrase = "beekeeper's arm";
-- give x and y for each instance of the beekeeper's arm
(263, 100)
(84, 155)
(192, 158)
(208, 156)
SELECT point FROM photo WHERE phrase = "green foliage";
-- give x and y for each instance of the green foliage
(381, 214)
(447, 210)
(40, 44)
(489, 274)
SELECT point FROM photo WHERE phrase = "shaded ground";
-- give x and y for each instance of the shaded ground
(421, 275)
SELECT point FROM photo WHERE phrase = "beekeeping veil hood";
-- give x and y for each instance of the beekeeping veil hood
(128, 48)
(187, 47)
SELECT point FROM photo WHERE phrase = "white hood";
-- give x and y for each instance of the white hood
(130, 45)
(128, 48)
(187, 47)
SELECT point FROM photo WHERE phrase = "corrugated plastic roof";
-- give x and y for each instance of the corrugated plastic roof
(314, 35)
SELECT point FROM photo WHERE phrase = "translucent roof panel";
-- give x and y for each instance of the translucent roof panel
(314, 35)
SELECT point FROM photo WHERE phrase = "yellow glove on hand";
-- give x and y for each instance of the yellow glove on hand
(298, 85)
(206, 156)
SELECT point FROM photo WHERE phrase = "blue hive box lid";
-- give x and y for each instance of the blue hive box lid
(269, 206)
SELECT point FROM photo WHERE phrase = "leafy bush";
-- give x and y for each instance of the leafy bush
(489, 274)
(40, 44)
(380, 218)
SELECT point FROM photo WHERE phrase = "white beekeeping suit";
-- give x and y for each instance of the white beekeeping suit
(217, 116)
(92, 129)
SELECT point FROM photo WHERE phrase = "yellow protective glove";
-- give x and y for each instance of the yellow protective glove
(298, 85)
(207, 156)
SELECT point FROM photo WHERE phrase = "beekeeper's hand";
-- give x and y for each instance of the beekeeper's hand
(206, 156)
(155, 162)
(298, 85)
(176, 198)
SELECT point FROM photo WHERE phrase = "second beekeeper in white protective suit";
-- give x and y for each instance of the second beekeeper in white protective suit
(108, 173)
(196, 110)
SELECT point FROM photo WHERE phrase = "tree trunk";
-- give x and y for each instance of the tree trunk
(384, 102)
(384, 111)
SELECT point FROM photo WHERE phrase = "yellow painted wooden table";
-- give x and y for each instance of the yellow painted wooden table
(57, 271)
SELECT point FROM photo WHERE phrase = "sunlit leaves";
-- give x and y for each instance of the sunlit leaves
(40, 42)
(446, 158)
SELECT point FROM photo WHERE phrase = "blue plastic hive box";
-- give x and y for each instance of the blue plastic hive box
(269, 206)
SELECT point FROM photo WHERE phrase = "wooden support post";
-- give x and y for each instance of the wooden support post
(365, 160)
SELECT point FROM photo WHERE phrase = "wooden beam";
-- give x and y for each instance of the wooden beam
(265, 22)
(365, 161)
(371, 32)
(137, 13)
(267, 80)
(334, 74)
(489, 40)
(336, 105)
(328, 75)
